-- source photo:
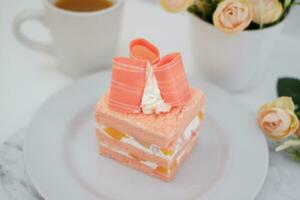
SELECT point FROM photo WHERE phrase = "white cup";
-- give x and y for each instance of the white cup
(83, 42)
(236, 62)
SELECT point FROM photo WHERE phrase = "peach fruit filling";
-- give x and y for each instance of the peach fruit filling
(163, 170)
(200, 116)
(167, 152)
(164, 152)
(117, 135)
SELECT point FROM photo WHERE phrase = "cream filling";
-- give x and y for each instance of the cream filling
(150, 164)
(117, 151)
(152, 101)
(178, 159)
(154, 149)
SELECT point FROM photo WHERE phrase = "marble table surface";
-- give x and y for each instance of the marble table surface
(282, 182)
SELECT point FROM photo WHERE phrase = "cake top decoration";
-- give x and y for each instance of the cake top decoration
(146, 83)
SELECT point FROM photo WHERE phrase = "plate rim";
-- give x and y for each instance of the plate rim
(91, 77)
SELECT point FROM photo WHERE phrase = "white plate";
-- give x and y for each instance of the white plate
(229, 163)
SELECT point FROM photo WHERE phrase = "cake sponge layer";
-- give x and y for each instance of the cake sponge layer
(162, 130)
(164, 159)
(166, 174)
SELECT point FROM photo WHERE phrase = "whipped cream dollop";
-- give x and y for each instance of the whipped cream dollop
(152, 101)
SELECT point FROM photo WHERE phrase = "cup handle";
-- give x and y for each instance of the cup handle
(23, 38)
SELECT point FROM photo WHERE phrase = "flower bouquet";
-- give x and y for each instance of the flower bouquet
(232, 40)
(232, 16)
(279, 119)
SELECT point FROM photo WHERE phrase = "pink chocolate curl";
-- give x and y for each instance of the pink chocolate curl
(171, 80)
(129, 78)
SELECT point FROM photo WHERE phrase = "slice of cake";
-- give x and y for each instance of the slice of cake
(150, 117)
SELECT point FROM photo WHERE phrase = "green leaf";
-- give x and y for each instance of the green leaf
(287, 3)
(204, 9)
(294, 154)
(290, 87)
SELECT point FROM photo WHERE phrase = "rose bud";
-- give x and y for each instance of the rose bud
(266, 11)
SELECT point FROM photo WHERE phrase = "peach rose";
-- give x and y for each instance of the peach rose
(233, 15)
(175, 6)
(277, 119)
(266, 11)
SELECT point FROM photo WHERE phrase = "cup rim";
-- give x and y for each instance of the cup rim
(115, 5)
